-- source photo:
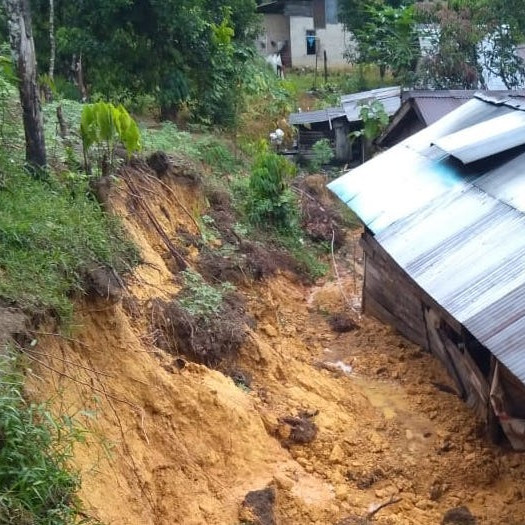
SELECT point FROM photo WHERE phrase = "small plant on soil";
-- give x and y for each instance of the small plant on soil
(201, 299)
(102, 127)
(205, 323)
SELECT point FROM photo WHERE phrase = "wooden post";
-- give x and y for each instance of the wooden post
(325, 67)
(316, 55)
(23, 51)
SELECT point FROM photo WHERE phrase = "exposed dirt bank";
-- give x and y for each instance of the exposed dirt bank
(175, 442)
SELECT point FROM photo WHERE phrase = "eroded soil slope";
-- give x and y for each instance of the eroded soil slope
(333, 422)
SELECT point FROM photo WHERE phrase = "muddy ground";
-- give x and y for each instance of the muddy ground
(319, 419)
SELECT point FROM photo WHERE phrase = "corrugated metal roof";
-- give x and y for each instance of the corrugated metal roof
(486, 138)
(430, 106)
(459, 233)
(312, 117)
(351, 107)
(390, 98)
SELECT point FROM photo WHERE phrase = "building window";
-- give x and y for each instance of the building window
(319, 9)
(311, 47)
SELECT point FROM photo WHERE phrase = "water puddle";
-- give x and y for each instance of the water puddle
(392, 401)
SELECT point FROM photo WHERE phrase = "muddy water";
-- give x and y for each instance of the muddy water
(391, 400)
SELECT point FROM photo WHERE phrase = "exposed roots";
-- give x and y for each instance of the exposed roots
(211, 340)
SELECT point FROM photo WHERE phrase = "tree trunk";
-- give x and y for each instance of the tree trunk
(52, 41)
(23, 51)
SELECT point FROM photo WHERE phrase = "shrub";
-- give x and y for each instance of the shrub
(323, 154)
(269, 199)
(205, 323)
(199, 298)
(216, 155)
(36, 483)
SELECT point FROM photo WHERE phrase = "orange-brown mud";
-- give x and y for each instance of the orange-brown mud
(184, 445)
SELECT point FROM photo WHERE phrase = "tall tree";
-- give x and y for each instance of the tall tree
(452, 35)
(23, 51)
(52, 41)
(166, 48)
(470, 38)
(388, 38)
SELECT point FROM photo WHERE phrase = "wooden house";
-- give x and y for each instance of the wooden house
(336, 123)
(444, 244)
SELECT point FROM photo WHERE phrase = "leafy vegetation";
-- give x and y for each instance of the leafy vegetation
(375, 120)
(270, 201)
(102, 125)
(389, 39)
(322, 154)
(50, 236)
(186, 53)
(200, 299)
(37, 485)
(462, 38)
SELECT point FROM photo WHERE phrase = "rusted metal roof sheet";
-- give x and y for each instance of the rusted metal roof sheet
(313, 117)
(390, 98)
(432, 109)
(457, 230)
(433, 105)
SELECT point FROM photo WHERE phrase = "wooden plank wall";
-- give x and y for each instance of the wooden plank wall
(394, 298)
(387, 295)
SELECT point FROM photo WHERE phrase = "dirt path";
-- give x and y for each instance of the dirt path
(173, 444)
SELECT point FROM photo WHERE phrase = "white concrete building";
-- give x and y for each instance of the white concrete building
(302, 31)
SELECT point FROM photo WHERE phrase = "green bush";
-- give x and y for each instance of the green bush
(322, 154)
(216, 155)
(37, 485)
(269, 199)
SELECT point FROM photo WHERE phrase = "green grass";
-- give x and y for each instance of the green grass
(37, 485)
(203, 147)
(49, 235)
(352, 80)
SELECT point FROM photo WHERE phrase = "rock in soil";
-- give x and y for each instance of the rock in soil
(458, 516)
(12, 323)
(104, 282)
(342, 323)
(260, 504)
(159, 162)
(302, 429)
